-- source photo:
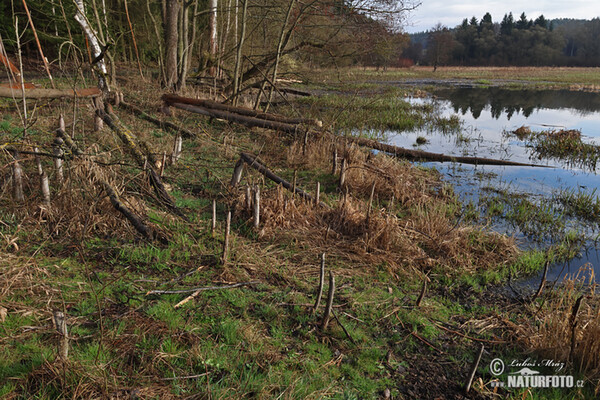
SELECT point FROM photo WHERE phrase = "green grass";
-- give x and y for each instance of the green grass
(381, 112)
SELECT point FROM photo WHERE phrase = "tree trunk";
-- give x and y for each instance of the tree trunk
(184, 44)
(238, 60)
(159, 40)
(171, 35)
(279, 50)
(213, 41)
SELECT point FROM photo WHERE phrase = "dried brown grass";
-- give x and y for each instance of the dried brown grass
(565, 332)
(409, 226)
(424, 239)
(79, 207)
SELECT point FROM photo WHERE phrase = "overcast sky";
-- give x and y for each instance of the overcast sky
(451, 13)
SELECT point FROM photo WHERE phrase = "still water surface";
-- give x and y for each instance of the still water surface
(489, 115)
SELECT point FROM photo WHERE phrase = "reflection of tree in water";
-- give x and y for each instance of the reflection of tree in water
(510, 102)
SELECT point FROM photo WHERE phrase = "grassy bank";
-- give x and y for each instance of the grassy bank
(415, 284)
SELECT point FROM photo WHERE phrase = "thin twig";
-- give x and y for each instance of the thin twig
(473, 369)
(343, 327)
(235, 285)
(329, 305)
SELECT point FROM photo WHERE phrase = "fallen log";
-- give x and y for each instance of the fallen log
(133, 219)
(144, 161)
(162, 124)
(248, 112)
(8, 92)
(253, 162)
(296, 92)
(240, 119)
(419, 155)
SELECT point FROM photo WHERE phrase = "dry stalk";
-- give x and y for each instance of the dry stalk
(328, 307)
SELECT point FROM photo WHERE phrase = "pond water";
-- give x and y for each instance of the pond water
(489, 115)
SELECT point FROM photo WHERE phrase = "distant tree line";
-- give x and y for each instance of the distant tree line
(519, 42)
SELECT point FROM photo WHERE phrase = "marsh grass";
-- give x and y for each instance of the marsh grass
(420, 230)
(387, 111)
(579, 203)
(563, 145)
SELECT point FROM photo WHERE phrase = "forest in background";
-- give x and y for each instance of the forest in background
(209, 36)
(512, 42)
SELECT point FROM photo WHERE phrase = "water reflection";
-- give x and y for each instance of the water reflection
(487, 115)
(507, 103)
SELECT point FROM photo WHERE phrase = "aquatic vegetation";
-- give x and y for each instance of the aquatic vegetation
(580, 204)
(563, 145)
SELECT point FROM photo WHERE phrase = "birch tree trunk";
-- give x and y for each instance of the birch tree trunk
(94, 43)
(213, 41)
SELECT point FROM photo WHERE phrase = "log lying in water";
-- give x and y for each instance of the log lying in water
(49, 93)
(247, 112)
(419, 155)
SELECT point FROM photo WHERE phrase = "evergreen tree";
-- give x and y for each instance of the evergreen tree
(541, 21)
(507, 25)
(522, 23)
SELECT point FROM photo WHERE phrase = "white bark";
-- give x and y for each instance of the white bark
(92, 39)
(213, 28)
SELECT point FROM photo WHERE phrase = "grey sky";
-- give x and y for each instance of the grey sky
(451, 13)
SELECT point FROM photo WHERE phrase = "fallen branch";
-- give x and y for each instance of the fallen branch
(145, 161)
(201, 289)
(343, 327)
(467, 336)
(473, 370)
(137, 223)
(162, 124)
(260, 167)
(49, 93)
